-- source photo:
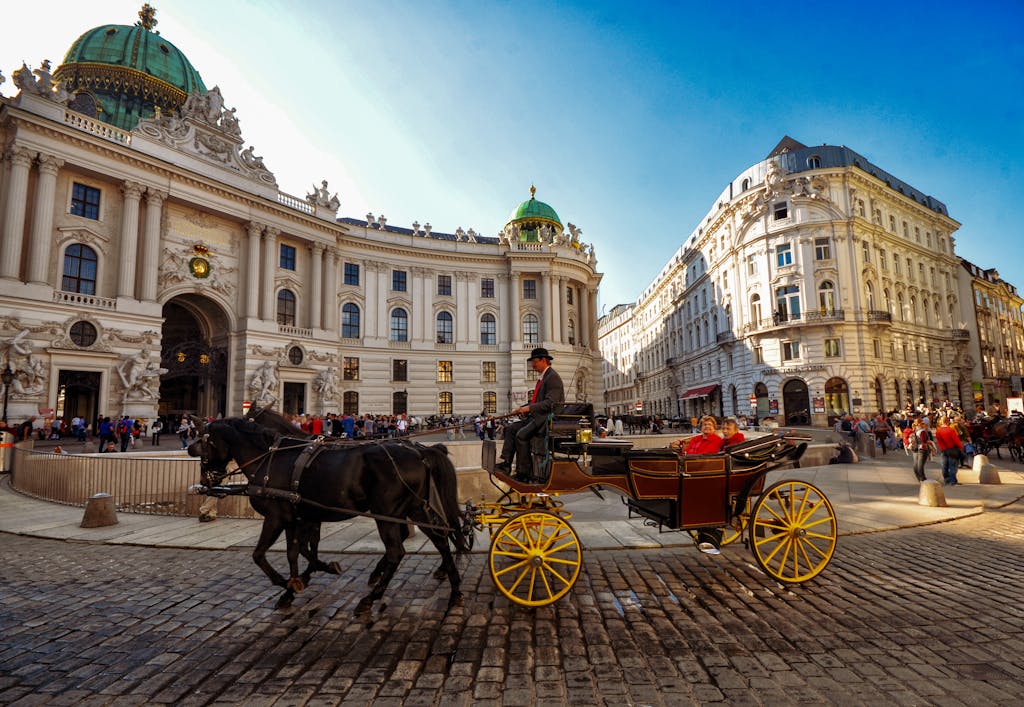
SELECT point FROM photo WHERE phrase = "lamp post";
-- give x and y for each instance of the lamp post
(7, 377)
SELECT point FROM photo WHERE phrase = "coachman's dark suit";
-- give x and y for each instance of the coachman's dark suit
(549, 399)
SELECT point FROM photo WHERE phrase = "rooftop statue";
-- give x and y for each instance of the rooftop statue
(322, 197)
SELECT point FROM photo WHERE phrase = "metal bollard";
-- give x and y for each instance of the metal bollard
(931, 494)
(99, 512)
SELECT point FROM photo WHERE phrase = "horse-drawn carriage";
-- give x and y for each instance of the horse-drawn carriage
(990, 433)
(535, 556)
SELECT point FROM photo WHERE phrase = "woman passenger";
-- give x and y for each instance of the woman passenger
(731, 432)
(707, 442)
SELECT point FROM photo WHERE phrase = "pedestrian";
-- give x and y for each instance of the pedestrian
(952, 449)
(881, 430)
(155, 429)
(183, 431)
(108, 434)
(921, 447)
(124, 432)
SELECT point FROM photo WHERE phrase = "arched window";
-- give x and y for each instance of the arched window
(572, 332)
(913, 308)
(399, 325)
(350, 402)
(444, 328)
(755, 309)
(899, 306)
(350, 321)
(888, 300)
(286, 308)
(79, 270)
(938, 314)
(531, 329)
(925, 314)
(745, 185)
(827, 297)
(490, 402)
(488, 330)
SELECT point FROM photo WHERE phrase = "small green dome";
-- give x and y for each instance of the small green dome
(534, 210)
(128, 71)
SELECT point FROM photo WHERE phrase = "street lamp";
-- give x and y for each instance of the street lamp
(7, 377)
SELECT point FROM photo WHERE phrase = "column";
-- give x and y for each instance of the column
(317, 288)
(267, 312)
(372, 314)
(129, 239)
(14, 218)
(462, 306)
(251, 275)
(429, 293)
(563, 308)
(151, 244)
(593, 344)
(419, 303)
(545, 308)
(472, 295)
(42, 220)
(584, 318)
(330, 317)
(513, 301)
(501, 293)
(557, 320)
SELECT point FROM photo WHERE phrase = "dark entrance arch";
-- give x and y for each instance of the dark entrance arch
(78, 395)
(797, 402)
(761, 393)
(837, 398)
(879, 398)
(195, 354)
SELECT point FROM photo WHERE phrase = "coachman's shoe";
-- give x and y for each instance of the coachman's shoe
(207, 518)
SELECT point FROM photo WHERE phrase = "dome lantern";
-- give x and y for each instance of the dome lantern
(533, 220)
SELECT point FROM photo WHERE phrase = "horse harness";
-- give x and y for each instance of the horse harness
(311, 450)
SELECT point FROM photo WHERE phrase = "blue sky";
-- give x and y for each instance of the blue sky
(630, 118)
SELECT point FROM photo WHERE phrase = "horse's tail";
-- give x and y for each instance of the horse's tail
(442, 473)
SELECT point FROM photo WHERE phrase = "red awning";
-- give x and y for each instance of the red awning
(701, 392)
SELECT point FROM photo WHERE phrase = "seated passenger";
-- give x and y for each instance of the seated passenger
(709, 540)
(731, 432)
(707, 442)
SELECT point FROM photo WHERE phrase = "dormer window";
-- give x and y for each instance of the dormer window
(813, 162)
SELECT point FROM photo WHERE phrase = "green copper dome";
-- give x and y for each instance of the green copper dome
(534, 210)
(124, 72)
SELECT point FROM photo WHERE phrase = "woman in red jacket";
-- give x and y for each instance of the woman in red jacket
(731, 432)
(948, 442)
(707, 442)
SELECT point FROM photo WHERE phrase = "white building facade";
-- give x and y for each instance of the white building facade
(150, 264)
(817, 284)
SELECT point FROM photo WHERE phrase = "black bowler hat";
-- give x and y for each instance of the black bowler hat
(539, 353)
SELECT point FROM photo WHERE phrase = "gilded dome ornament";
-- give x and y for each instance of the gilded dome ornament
(147, 17)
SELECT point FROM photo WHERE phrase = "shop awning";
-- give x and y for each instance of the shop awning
(701, 392)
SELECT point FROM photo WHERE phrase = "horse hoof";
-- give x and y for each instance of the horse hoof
(374, 578)
(284, 601)
(440, 574)
(334, 568)
(296, 584)
(363, 607)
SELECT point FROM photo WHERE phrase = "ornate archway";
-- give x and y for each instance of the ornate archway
(796, 402)
(195, 352)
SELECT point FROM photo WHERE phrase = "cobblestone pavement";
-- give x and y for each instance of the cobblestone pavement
(931, 615)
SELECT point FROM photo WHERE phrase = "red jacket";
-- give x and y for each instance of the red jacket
(947, 438)
(735, 439)
(699, 445)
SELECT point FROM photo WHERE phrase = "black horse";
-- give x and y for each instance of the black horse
(392, 481)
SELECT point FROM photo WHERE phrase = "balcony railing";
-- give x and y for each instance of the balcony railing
(725, 337)
(825, 315)
(100, 129)
(879, 315)
(294, 202)
(295, 331)
(79, 300)
(961, 334)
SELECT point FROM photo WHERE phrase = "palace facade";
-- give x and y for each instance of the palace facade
(816, 284)
(150, 264)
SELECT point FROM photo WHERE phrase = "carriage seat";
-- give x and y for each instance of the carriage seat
(564, 424)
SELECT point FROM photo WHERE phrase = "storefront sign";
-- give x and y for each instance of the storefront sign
(753, 400)
(773, 406)
(792, 370)
(819, 405)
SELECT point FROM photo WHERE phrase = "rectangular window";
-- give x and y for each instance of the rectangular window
(892, 223)
(490, 403)
(444, 285)
(490, 372)
(444, 402)
(877, 344)
(487, 288)
(832, 348)
(790, 350)
(751, 265)
(529, 289)
(883, 262)
(444, 371)
(896, 264)
(398, 280)
(920, 272)
(568, 295)
(867, 252)
(85, 201)
(287, 259)
(784, 255)
(758, 354)
(822, 249)
(352, 274)
(399, 370)
(781, 211)
(350, 368)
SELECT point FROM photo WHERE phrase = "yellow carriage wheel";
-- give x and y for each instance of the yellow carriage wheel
(734, 531)
(535, 558)
(793, 531)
